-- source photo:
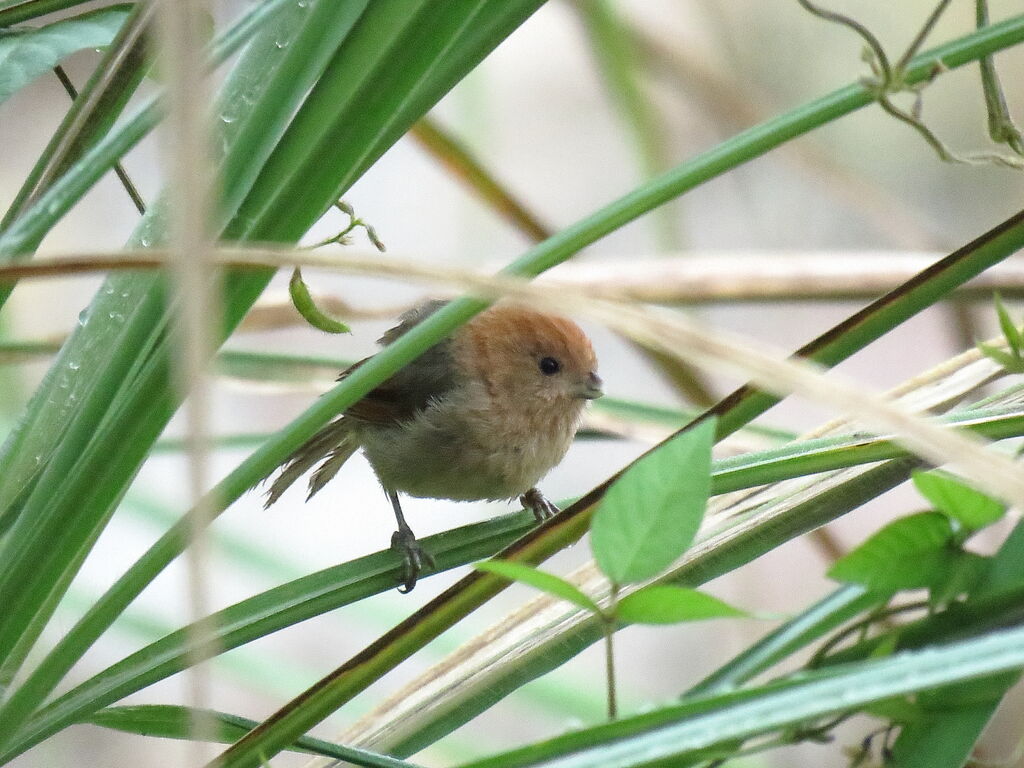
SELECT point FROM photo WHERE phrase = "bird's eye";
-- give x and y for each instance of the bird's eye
(549, 366)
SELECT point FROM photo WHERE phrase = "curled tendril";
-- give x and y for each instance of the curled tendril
(888, 80)
(299, 291)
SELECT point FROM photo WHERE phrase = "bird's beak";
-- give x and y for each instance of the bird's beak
(591, 389)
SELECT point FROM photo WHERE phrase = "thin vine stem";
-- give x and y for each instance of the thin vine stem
(922, 35)
(608, 620)
(122, 174)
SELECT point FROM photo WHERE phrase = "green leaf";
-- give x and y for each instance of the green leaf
(946, 738)
(964, 571)
(25, 55)
(1005, 359)
(545, 582)
(1010, 331)
(973, 509)
(668, 604)
(942, 742)
(909, 553)
(886, 646)
(175, 722)
(650, 515)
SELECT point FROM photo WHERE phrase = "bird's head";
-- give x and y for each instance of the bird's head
(531, 358)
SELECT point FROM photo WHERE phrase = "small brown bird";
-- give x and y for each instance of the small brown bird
(484, 414)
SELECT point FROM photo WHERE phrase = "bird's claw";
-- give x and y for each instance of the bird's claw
(535, 501)
(414, 558)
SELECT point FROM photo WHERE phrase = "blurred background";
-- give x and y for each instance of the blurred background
(545, 116)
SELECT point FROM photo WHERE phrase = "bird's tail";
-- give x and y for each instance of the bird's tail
(335, 443)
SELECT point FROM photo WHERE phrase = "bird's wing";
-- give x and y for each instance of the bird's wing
(412, 388)
(397, 399)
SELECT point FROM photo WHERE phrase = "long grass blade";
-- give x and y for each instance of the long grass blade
(147, 401)
(115, 339)
(676, 732)
(17, 11)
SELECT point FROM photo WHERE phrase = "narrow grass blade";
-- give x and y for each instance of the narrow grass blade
(174, 722)
(821, 618)
(115, 339)
(676, 732)
(17, 11)
(255, 617)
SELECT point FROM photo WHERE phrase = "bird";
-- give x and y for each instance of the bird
(482, 415)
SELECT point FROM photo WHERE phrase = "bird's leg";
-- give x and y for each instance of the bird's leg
(404, 540)
(534, 501)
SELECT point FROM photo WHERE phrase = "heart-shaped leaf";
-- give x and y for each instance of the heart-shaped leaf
(650, 515)
(910, 553)
(948, 495)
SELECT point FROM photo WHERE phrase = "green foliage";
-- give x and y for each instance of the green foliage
(681, 731)
(669, 604)
(545, 582)
(957, 501)
(964, 571)
(25, 54)
(923, 551)
(1012, 361)
(1010, 330)
(650, 515)
(910, 553)
(646, 521)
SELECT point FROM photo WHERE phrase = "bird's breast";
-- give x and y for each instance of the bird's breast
(471, 451)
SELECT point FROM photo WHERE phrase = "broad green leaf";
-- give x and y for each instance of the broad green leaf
(946, 738)
(1009, 329)
(546, 582)
(25, 55)
(958, 501)
(964, 572)
(170, 721)
(650, 515)
(668, 604)
(910, 553)
(942, 742)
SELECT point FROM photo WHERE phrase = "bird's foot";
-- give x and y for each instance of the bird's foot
(535, 501)
(414, 557)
